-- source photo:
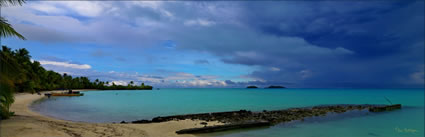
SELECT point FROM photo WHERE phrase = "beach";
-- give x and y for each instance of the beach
(27, 123)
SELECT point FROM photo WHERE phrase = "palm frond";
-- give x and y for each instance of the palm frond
(6, 94)
(11, 2)
(6, 29)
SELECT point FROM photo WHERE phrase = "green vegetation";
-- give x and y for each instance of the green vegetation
(20, 74)
(24, 75)
(7, 68)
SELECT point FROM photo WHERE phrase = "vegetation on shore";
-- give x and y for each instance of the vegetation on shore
(6, 92)
(24, 75)
(20, 74)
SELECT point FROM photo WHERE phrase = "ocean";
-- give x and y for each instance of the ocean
(128, 105)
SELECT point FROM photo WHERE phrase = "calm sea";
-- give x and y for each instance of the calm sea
(116, 106)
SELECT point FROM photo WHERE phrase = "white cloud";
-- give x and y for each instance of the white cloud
(181, 76)
(341, 50)
(305, 73)
(200, 22)
(155, 5)
(175, 79)
(148, 4)
(65, 64)
(201, 83)
(419, 76)
(118, 82)
(45, 28)
(85, 8)
(47, 8)
(274, 69)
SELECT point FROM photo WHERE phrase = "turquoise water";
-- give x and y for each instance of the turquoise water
(115, 106)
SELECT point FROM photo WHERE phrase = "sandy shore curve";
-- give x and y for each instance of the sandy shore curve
(27, 123)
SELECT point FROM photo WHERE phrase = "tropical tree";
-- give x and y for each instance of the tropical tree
(9, 68)
(6, 99)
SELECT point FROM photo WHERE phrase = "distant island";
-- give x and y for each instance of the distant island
(272, 86)
(252, 87)
(275, 86)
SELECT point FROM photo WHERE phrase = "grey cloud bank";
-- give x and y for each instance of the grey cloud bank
(296, 43)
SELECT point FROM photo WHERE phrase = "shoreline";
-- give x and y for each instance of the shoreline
(27, 123)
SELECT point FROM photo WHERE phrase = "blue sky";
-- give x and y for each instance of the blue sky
(300, 44)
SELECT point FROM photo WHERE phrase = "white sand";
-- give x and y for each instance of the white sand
(27, 123)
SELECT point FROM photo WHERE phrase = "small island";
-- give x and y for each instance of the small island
(252, 87)
(275, 86)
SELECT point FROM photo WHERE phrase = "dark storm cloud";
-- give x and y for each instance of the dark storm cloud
(371, 29)
(374, 44)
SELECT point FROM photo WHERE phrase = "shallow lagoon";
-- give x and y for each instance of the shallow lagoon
(116, 106)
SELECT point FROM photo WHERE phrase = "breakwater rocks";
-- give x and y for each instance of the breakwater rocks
(248, 119)
(384, 108)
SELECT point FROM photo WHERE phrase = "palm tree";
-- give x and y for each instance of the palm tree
(6, 100)
(6, 30)
(9, 69)
(6, 87)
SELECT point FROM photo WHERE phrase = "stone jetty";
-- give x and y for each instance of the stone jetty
(248, 119)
